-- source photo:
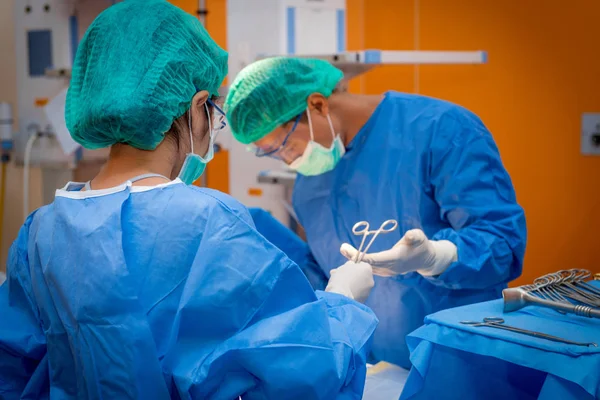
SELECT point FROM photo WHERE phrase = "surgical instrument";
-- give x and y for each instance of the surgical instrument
(566, 291)
(517, 298)
(362, 228)
(496, 322)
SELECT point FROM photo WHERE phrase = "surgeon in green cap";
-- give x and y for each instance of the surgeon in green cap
(457, 234)
(137, 285)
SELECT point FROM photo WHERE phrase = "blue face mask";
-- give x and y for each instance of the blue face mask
(194, 165)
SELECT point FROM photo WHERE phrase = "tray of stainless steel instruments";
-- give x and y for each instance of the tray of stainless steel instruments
(567, 291)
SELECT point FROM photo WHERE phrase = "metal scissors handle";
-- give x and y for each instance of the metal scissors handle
(362, 228)
(496, 322)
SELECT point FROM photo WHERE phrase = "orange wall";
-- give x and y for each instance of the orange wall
(543, 72)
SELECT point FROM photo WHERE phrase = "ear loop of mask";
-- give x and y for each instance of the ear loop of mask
(310, 127)
(210, 132)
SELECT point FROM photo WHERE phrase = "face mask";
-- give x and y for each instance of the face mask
(194, 165)
(316, 159)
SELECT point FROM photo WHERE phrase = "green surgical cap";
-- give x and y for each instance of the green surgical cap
(137, 69)
(271, 92)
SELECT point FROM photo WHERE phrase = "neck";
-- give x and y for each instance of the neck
(126, 162)
(352, 112)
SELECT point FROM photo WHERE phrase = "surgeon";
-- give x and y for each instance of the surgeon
(137, 285)
(429, 164)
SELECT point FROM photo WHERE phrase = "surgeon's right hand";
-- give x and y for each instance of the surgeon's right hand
(353, 280)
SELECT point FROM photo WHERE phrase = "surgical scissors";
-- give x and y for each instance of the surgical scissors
(362, 228)
(496, 322)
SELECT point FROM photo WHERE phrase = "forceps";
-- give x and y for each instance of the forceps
(362, 228)
(496, 322)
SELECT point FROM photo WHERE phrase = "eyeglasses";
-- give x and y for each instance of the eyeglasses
(276, 153)
(219, 122)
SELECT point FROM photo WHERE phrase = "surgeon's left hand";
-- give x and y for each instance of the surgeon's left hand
(414, 252)
(353, 280)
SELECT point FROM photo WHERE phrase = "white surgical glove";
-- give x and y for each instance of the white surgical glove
(353, 280)
(414, 252)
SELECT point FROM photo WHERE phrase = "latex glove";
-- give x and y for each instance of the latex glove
(414, 252)
(353, 280)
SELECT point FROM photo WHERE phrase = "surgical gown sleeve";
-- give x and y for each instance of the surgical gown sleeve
(287, 241)
(477, 199)
(22, 341)
(256, 328)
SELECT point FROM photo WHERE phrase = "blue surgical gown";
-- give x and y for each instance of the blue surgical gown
(287, 241)
(168, 292)
(430, 165)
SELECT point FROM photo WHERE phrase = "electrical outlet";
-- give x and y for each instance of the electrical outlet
(590, 134)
